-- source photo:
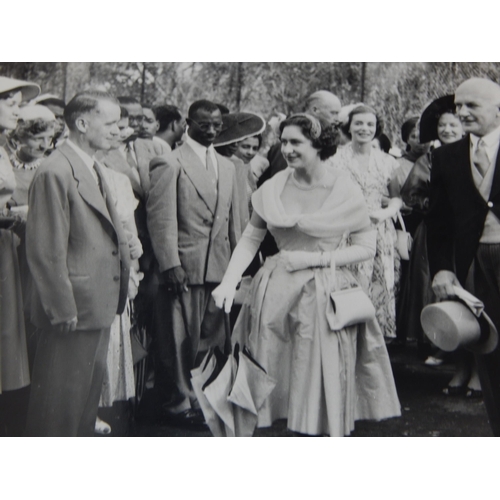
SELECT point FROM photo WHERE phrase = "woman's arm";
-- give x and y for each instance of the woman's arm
(242, 256)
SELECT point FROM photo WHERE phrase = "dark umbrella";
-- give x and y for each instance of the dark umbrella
(431, 114)
(231, 388)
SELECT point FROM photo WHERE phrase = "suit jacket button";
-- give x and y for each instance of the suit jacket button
(115, 252)
(490, 204)
(116, 278)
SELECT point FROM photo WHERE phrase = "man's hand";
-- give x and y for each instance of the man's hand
(176, 280)
(443, 283)
(67, 326)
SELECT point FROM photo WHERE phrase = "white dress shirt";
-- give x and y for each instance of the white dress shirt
(201, 152)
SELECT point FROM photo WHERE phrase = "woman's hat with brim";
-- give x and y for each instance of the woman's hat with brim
(451, 324)
(430, 117)
(28, 90)
(48, 99)
(238, 127)
(36, 112)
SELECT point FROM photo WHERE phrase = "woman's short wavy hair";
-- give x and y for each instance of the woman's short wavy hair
(27, 128)
(323, 138)
(358, 110)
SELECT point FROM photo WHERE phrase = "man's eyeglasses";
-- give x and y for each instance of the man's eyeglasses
(205, 126)
(138, 119)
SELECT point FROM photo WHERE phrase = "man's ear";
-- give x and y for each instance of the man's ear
(81, 124)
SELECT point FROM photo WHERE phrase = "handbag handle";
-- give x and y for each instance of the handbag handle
(401, 221)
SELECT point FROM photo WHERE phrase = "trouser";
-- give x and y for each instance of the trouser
(191, 324)
(486, 274)
(67, 382)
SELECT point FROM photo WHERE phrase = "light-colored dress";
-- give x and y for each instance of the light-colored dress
(14, 371)
(118, 382)
(325, 379)
(379, 277)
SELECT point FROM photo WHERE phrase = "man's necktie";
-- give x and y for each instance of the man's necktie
(480, 158)
(211, 169)
(130, 155)
(99, 180)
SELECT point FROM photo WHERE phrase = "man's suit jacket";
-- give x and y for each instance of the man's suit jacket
(77, 252)
(457, 210)
(116, 161)
(145, 151)
(189, 223)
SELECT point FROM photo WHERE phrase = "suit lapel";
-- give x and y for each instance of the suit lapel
(225, 184)
(86, 183)
(463, 168)
(495, 186)
(198, 175)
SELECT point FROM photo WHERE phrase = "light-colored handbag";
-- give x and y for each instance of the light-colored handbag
(404, 240)
(350, 305)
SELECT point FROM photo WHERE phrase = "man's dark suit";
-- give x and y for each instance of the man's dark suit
(455, 224)
(79, 260)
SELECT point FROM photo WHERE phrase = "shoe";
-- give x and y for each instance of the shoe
(186, 418)
(473, 393)
(102, 427)
(454, 390)
(432, 361)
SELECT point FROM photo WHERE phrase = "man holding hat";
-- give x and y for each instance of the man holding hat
(464, 219)
(194, 225)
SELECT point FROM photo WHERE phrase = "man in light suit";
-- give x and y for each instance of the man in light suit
(78, 257)
(194, 226)
(463, 240)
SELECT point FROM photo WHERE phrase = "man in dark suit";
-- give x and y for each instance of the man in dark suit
(194, 226)
(464, 218)
(79, 260)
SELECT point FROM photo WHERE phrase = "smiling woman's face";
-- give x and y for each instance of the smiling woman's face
(363, 127)
(297, 149)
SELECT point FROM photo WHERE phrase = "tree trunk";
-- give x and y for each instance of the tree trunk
(239, 84)
(363, 78)
(143, 82)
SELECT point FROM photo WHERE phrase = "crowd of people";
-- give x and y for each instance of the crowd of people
(129, 233)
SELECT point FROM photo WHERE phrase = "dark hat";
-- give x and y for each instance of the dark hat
(238, 127)
(28, 90)
(431, 115)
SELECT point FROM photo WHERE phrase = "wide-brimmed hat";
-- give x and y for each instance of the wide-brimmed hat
(238, 127)
(430, 117)
(451, 324)
(48, 99)
(36, 112)
(29, 90)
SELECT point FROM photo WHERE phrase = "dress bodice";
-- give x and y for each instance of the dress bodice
(342, 213)
(374, 182)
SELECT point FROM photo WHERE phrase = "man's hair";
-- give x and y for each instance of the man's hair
(127, 100)
(123, 112)
(165, 115)
(85, 102)
(204, 105)
(317, 98)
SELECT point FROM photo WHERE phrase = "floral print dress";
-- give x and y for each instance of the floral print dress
(380, 276)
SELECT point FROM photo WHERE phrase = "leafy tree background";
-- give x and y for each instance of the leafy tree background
(396, 90)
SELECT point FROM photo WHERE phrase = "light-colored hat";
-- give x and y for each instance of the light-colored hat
(452, 324)
(36, 112)
(48, 99)
(28, 90)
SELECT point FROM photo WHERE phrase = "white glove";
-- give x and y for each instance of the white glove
(242, 257)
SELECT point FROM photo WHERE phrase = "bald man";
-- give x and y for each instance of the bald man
(463, 239)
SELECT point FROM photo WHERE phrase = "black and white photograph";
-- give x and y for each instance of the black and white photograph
(239, 249)
(277, 240)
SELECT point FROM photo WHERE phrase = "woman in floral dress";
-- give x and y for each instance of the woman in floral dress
(372, 170)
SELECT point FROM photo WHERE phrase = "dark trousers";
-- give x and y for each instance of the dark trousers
(188, 325)
(486, 274)
(67, 382)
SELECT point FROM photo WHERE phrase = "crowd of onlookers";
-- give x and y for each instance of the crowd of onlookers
(122, 222)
